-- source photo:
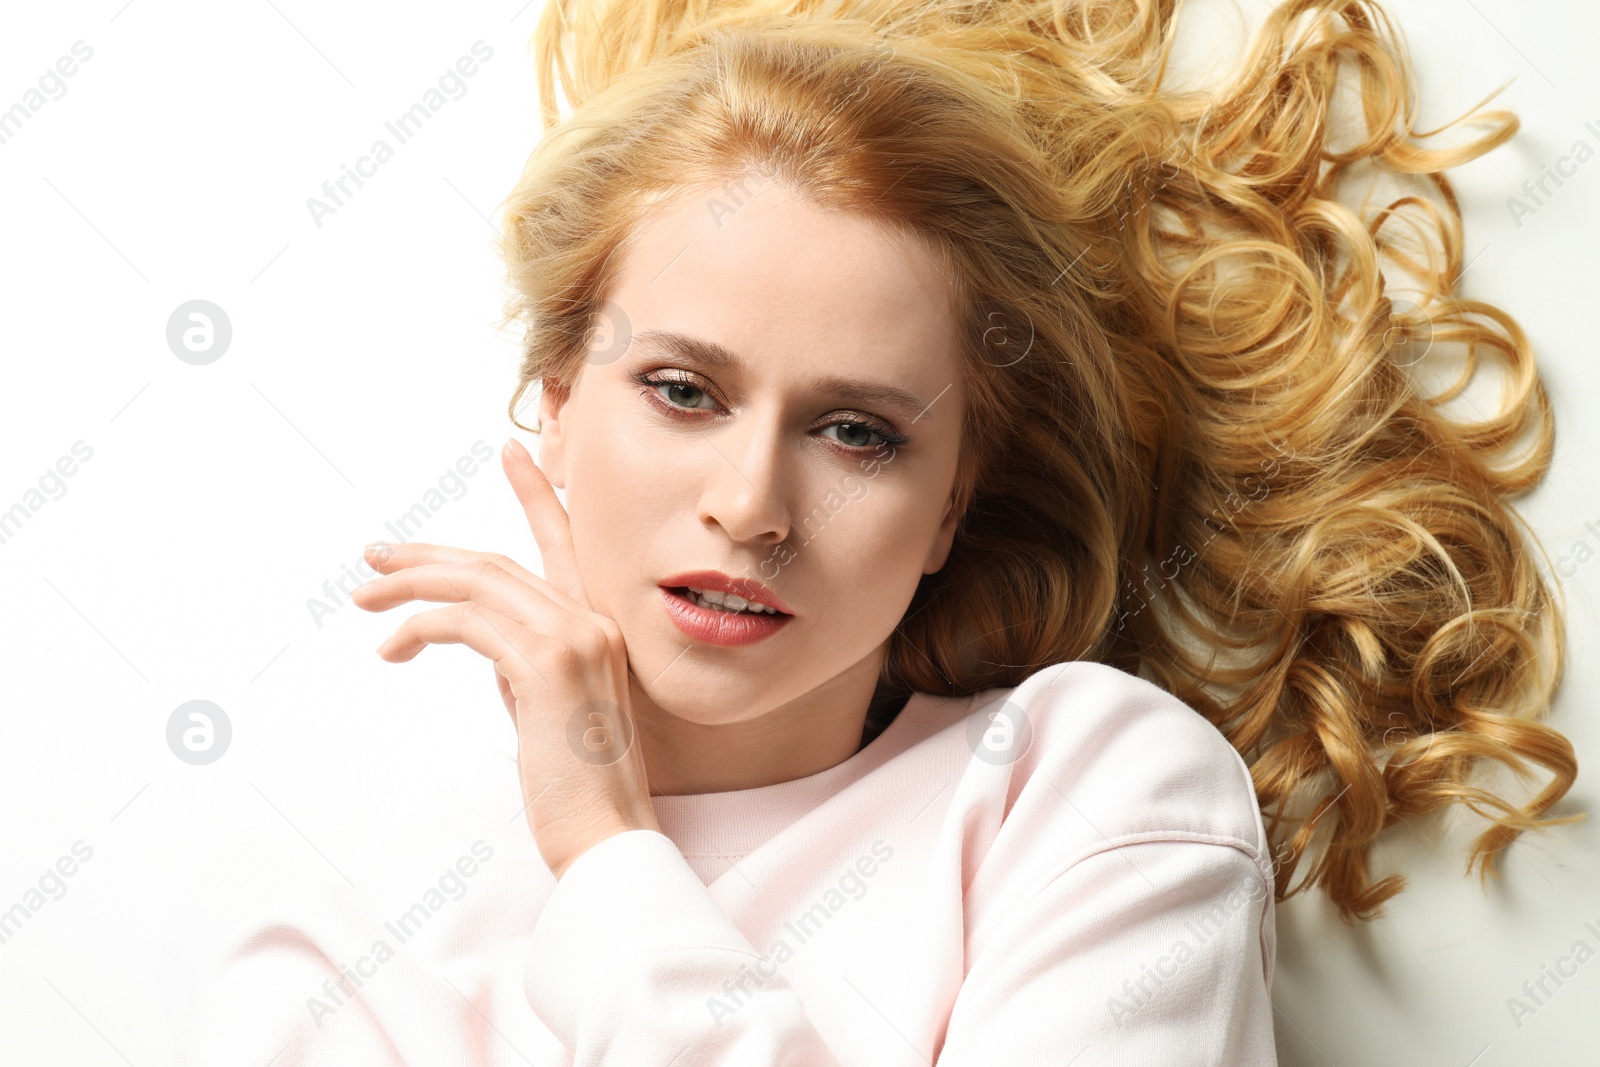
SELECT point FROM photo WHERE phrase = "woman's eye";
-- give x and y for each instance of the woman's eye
(684, 395)
(853, 434)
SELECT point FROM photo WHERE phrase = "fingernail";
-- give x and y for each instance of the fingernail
(377, 550)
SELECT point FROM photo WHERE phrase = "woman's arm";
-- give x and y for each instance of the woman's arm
(1149, 952)
(628, 965)
(1156, 952)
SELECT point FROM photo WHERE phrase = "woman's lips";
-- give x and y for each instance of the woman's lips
(720, 627)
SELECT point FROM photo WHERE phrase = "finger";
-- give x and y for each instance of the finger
(506, 696)
(394, 559)
(481, 580)
(481, 629)
(548, 520)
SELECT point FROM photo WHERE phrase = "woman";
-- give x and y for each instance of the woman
(952, 422)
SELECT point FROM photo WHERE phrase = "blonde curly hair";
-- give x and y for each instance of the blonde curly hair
(1198, 444)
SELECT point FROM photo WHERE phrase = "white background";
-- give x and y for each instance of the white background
(365, 363)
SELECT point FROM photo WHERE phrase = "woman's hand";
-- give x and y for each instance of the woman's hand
(561, 667)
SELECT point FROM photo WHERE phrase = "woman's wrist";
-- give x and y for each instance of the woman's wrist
(560, 857)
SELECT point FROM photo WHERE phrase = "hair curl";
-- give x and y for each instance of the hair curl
(1196, 393)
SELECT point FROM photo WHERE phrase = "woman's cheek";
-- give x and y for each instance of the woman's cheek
(889, 533)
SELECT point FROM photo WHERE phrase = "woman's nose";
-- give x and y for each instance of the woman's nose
(745, 492)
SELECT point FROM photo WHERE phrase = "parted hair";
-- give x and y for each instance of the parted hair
(1200, 442)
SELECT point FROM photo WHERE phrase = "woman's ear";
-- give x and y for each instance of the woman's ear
(553, 398)
(939, 552)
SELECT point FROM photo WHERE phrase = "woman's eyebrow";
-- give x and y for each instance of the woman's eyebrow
(716, 357)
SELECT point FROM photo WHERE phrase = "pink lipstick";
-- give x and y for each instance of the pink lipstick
(712, 607)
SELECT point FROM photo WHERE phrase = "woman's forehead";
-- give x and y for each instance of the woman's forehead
(780, 278)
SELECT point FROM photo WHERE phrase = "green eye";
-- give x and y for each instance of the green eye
(681, 394)
(684, 395)
(672, 395)
(853, 434)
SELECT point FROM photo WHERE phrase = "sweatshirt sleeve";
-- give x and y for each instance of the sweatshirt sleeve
(1156, 951)
(628, 952)
(251, 1010)
(1149, 952)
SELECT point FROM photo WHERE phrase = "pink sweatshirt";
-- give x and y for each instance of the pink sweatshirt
(1069, 872)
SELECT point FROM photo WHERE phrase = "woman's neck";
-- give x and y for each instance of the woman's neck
(803, 737)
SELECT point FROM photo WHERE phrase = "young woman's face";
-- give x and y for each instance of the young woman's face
(777, 398)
